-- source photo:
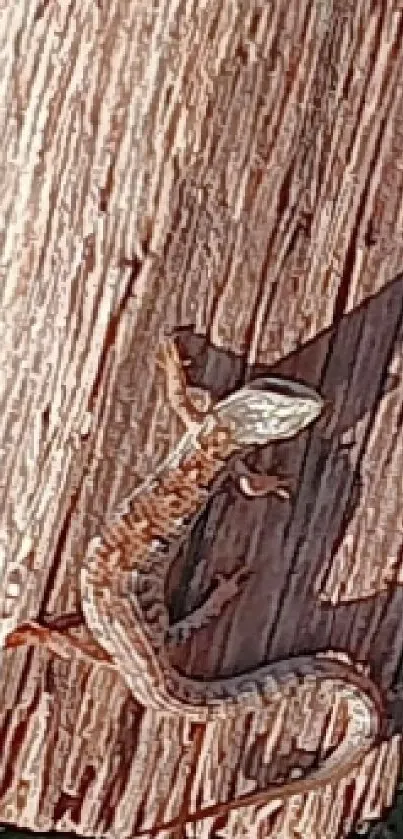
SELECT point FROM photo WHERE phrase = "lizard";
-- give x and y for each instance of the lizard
(124, 570)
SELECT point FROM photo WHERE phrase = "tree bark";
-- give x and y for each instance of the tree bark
(231, 169)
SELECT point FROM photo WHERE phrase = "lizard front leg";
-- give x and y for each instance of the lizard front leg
(191, 405)
(255, 485)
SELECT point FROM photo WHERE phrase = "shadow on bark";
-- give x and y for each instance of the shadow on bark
(350, 365)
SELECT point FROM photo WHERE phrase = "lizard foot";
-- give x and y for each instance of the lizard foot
(255, 485)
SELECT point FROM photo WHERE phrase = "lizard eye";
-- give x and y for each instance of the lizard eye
(282, 387)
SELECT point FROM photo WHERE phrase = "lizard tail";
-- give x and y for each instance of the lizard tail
(364, 728)
(161, 687)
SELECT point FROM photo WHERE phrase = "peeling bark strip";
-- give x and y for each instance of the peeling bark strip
(248, 154)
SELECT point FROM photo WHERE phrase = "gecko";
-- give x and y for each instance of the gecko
(124, 571)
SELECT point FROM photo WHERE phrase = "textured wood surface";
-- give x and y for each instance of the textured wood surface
(234, 168)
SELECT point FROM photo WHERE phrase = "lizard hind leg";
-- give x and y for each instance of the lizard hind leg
(61, 643)
(226, 589)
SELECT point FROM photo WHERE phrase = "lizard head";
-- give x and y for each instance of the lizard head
(270, 409)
